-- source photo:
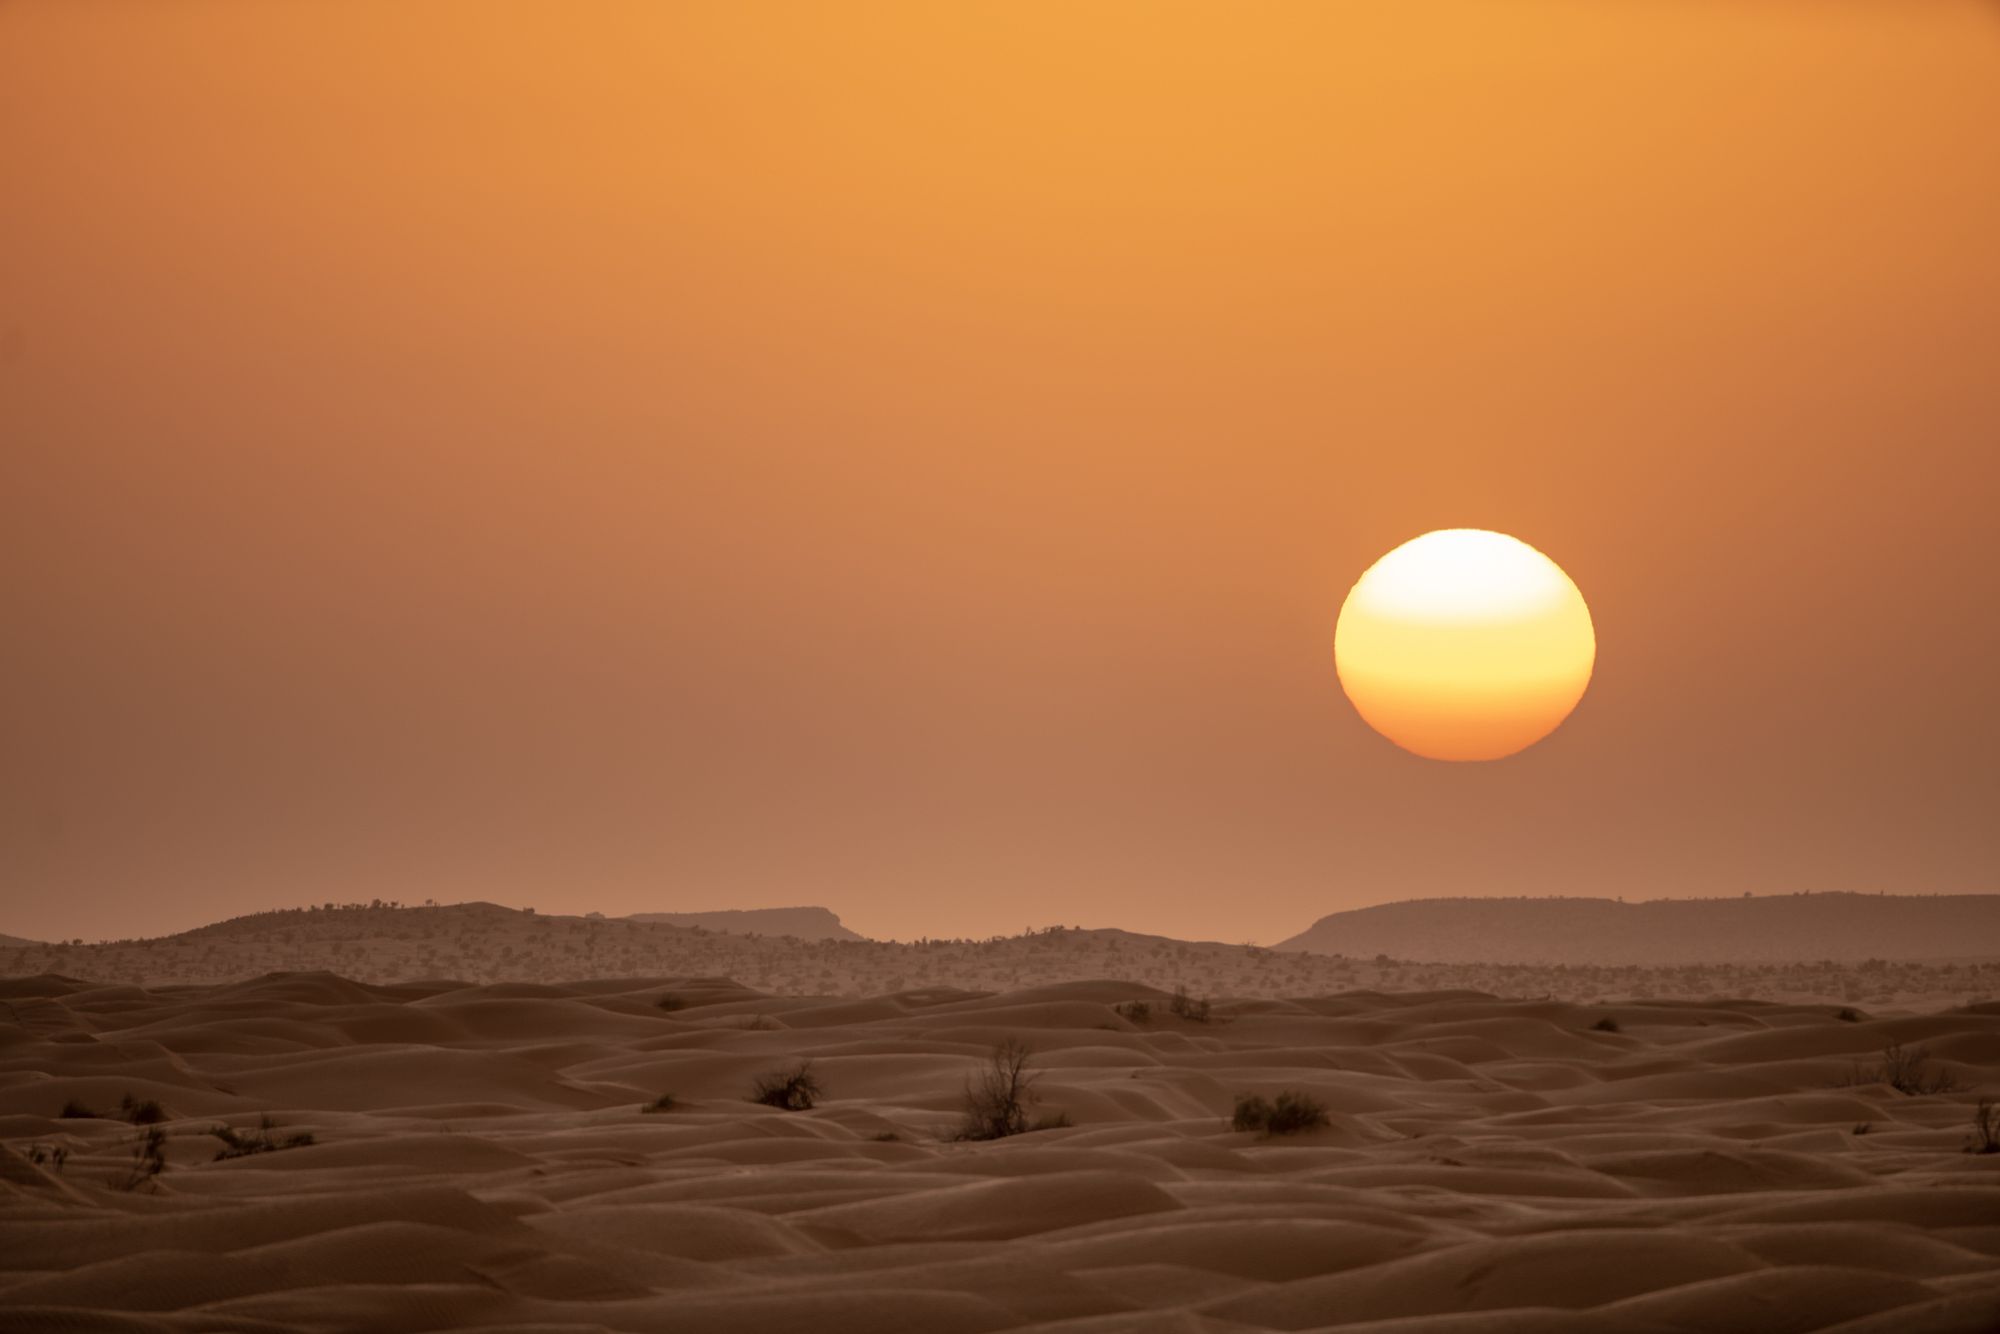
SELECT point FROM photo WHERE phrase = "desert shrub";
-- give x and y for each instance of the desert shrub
(670, 1002)
(888, 1137)
(149, 1158)
(1862, 1127)
(998, 1098)
(74, 1110)
(1187, 1007)
(1906, 1070)
(141, 1112)
(1290, 1114)
(1138, 1011)
(1985, 1128)
(1605, 1025)
(55, 1155)
(792, 1091)
(1848, 1015)
(243, 1143)
(663, 1103)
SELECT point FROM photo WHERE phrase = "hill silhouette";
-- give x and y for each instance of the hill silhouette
(1767, 929)
(483, 943)
(805, 923)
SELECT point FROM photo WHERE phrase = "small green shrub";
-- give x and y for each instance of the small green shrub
(792, 1091)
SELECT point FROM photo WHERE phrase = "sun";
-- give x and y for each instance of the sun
(1464, 644)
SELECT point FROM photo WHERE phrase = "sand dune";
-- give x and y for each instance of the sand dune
(481, 1159)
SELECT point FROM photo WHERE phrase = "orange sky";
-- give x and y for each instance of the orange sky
(909, 458)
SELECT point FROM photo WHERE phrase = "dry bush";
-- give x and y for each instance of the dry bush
(1138, 1011)
(1187, 1007)
(75, 1110)
(1605, 1025)
(791, 1091)
(998, 1099)
(1906, 1070)
(55, 1155)
(1985, 1128)
(140, 1112)
(242, 1143)
(1291, 1114)
(663, 1103)
(668, 1003)
(149, 1158)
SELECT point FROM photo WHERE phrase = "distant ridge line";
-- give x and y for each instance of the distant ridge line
(1773, 928)
(805, 923)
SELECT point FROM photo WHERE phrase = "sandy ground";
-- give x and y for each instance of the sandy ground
(481, 1160)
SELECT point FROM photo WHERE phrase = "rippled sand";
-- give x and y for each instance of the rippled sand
(481, 1161)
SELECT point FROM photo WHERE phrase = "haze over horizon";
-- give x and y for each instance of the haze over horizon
(910, 460)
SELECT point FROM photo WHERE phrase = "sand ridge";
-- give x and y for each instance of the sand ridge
(480, 1159)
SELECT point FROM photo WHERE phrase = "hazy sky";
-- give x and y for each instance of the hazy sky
(910, 458)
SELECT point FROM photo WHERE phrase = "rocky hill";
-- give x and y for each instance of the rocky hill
(1770, 929)
(805, 923)
(484, 943)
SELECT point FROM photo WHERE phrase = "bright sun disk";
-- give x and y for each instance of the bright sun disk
(1464, 644)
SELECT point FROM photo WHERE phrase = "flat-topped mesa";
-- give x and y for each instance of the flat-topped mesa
(805, 923)
(1779, 928)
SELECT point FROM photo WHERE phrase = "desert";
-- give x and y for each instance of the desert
(895, 667)
(304, 1151)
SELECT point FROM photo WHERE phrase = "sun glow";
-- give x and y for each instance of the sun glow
(1464, 644)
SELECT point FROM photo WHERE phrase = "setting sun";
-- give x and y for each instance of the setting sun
(1464, 644)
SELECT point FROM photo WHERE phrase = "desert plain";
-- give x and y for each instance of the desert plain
(302, 1151)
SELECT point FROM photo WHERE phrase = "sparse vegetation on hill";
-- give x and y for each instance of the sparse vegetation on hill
(477, 943)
